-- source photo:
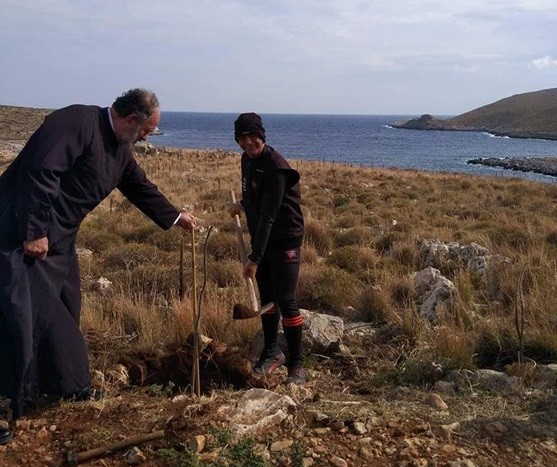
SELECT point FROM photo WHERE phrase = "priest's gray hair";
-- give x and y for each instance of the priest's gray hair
(138, 101)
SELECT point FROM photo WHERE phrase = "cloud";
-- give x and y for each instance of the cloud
(288, 55)
(465, 68)
(545, 62)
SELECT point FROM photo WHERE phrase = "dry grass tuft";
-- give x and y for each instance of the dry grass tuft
(328, 289)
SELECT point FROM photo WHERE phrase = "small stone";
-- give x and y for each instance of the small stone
(338, 462)
(359, 428)
(367, 453)
(408, 453)
(23, 424)
(179, 398)
(337, 425)
(197, 443)
(445, 387)
(4, 425)
(373, 422)
(308, 462)
(209, 456)
(42, 433)
(281, 445)
(39, 422)
(448, 448)
(436, 401)
(134, 456)
(262, 451)
(52, 428)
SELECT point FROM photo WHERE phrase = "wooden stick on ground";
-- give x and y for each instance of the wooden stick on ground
(73, 458)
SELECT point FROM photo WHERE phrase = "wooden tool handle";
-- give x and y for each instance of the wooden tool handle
(84, 456)
(241, 245)
(243, 255)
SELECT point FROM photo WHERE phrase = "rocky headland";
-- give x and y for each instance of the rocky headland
(527, 115)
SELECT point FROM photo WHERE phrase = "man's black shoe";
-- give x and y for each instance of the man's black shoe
(5, 433)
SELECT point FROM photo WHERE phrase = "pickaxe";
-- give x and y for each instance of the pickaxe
(243, 311)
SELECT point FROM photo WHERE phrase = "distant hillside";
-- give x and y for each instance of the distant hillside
(528, 115)
(18, 123)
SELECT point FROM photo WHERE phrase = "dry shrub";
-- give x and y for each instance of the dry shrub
(528, 372)
(131, 255)
(551, 237)
(328, 289)
(454, 346)
(216, 316)
(496, 344)
(150, 279)
(403, 227)
(225, 273)
(406, 255)
(309, 255)
(403, 291)
(218, 195)
(374, 306)
(385, 243)
(97, 240)
(121, 315)
(541, 345)
(354, 259)
(346, 221)
(411, 323)
(360, 235)
(502, 284)
(224, 245)
(341, 200)
(166, 240)
(138, 231)
(317, 235)
(419, 370)
(515, 237)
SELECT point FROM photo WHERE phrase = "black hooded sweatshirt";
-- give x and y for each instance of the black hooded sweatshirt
(271, 200)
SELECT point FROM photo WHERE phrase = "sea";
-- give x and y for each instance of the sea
(366, 140)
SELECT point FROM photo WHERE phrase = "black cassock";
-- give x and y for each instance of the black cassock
(68, 166)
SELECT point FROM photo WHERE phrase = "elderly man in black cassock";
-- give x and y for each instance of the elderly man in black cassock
(69, 165)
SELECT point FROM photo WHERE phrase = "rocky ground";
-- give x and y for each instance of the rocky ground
(541, 165)
(351, 412)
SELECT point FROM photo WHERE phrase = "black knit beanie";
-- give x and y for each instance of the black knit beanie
(249, 124)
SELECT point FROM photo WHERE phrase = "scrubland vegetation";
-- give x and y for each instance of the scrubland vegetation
(360, 252)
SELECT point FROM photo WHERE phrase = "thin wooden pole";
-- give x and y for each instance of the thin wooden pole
(181, 288)
(196, 379)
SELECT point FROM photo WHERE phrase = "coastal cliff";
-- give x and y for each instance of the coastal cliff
(528, 115)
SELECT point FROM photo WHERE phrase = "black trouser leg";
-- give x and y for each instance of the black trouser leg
(269, 320)
(277, 278)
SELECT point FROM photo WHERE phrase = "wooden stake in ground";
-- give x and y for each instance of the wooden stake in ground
(196, 379)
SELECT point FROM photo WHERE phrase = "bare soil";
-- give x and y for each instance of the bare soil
(402, 427)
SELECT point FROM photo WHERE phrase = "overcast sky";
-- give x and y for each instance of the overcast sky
(411, 57)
